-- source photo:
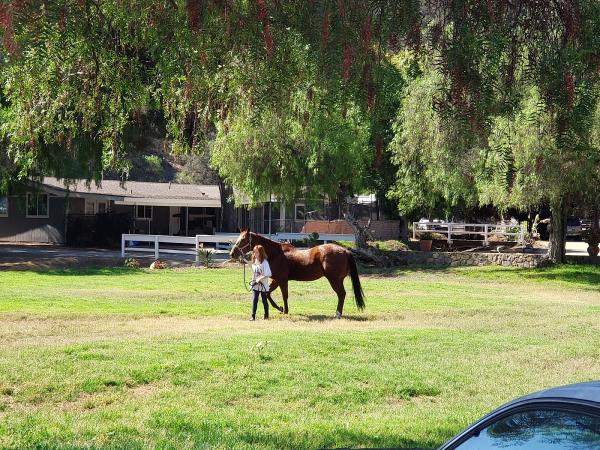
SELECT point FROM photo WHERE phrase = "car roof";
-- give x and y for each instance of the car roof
(588, 391)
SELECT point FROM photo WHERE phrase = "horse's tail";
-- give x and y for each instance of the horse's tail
(359, 295)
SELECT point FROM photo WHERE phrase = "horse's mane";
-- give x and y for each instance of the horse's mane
(285, 246)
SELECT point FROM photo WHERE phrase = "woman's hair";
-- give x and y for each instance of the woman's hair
(262, 255)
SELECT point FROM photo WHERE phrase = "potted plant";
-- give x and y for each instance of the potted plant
(425, 241)
(592, 237)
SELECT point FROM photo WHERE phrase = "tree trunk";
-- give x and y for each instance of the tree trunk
(361, 233)
(558, 231)
(595, 219)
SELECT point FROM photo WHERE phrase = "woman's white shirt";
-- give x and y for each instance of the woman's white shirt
(261, 270)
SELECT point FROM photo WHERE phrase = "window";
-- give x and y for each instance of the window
(299, 212)
(543, 429)
(143, 212)
(90, 208)
(37, 205)
(3, 206)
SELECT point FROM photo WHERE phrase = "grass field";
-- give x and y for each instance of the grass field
(138, 359)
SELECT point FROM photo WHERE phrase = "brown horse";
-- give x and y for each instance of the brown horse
(289, 263)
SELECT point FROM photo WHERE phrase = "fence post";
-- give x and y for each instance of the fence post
(123, 246)
(414, 231)
(485, 235)
(197, 249)
(450, 233)
(156, 252)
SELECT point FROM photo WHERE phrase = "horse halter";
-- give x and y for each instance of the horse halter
(246, 248)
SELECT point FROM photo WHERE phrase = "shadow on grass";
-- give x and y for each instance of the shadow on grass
(586, 276)
(178, 429)
(367, 441)
(92, 271)
(331, 318)
(394, 272)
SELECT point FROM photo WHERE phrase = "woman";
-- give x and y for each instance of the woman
(261, 271)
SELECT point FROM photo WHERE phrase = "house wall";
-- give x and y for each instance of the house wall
(76, 206)
(158, 225)
(18, 228)
(160, 220)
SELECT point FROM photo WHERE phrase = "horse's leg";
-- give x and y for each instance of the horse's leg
(284, 293)
(338, 286)
(272, 286)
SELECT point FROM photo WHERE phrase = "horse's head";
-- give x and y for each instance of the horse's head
(242, 246)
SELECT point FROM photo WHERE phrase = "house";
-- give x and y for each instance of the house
(78, 212)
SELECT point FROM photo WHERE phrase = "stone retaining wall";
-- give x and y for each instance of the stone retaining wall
(470, 259)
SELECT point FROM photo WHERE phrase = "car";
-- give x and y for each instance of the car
(565, 418)
(574, 227)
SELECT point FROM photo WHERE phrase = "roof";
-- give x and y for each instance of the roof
(141, 193)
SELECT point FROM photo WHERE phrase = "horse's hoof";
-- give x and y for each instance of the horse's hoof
(338, 315)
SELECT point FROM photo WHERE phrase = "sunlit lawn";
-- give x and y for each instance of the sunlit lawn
(138, 359)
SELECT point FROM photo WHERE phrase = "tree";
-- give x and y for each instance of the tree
(78, 75)
(503, 66)
(295, 93)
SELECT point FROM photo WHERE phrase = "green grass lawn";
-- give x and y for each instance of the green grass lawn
(138, 359)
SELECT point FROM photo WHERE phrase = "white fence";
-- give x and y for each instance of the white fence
(194, 242)
(222, 241)
(513, 233)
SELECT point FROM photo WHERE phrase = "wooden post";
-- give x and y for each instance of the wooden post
(450, 233)
(485, 235)
(123, 246)
(156, 251)
(197, 249)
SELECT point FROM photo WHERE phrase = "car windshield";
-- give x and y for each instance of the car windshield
(539, 430)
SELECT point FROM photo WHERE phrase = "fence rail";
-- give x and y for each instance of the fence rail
(515, 232)
(193, 242)
(222, 241)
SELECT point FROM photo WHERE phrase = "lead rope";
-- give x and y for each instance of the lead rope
(247, 286)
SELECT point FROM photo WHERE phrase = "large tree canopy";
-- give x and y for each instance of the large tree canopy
(287, 86)
(489, 100)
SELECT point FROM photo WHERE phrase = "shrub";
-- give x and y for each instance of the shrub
(390, 245)
(592, 237)
(206, 257)
(131, 263)
(430, 235)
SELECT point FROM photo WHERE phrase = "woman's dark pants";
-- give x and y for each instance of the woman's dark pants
(255, 303)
